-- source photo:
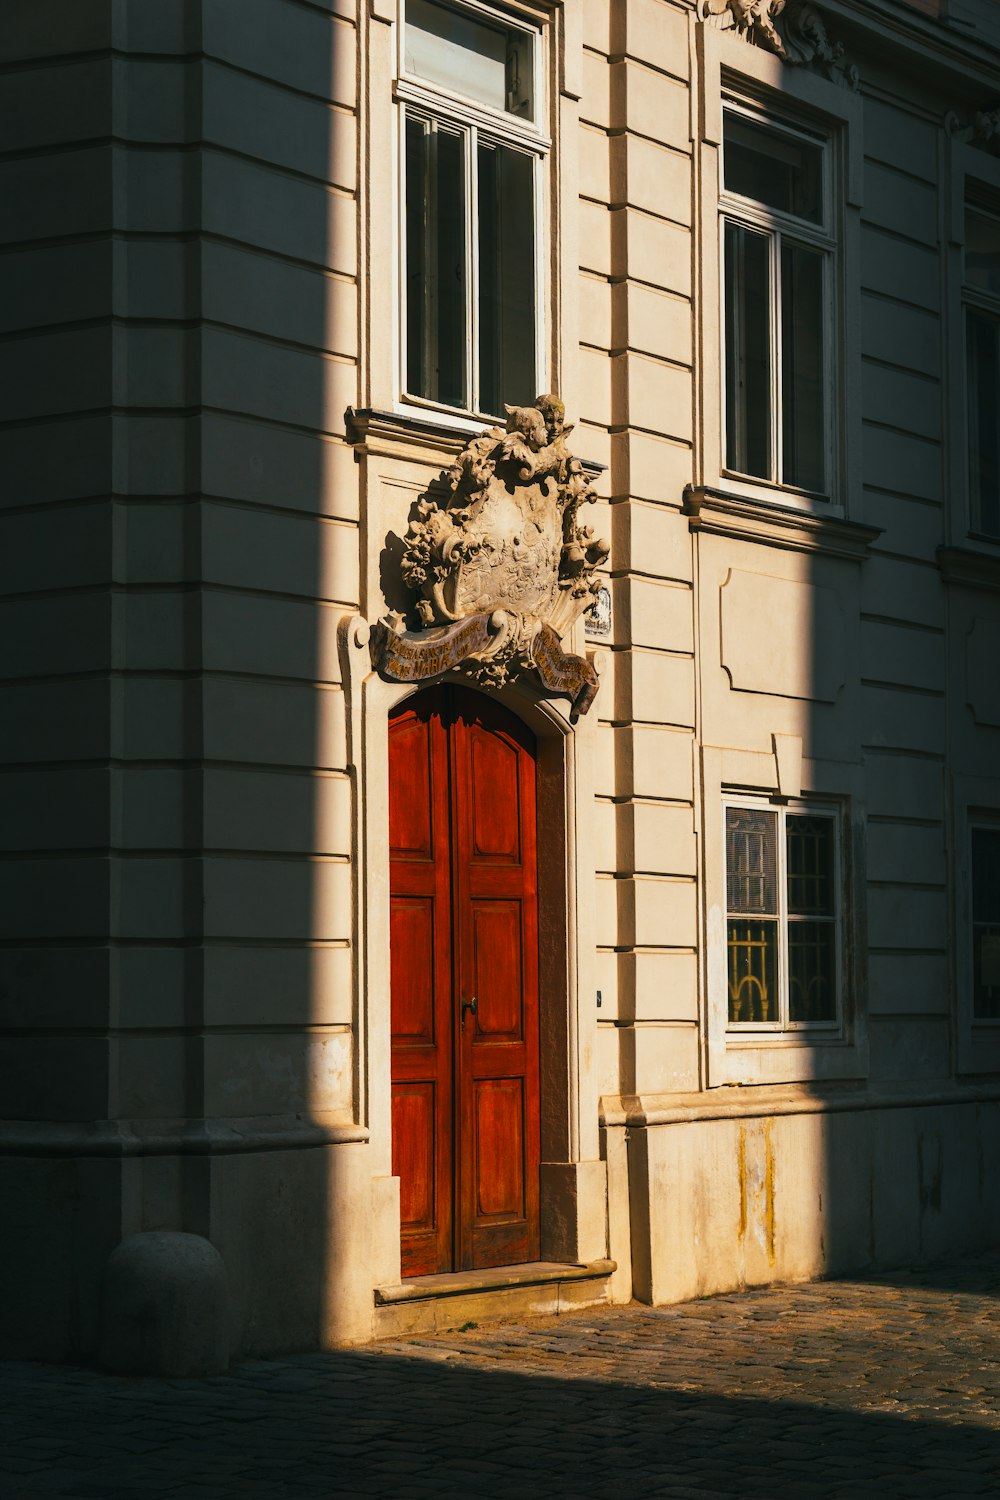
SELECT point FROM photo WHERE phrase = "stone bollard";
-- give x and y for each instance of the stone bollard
(165, 1307)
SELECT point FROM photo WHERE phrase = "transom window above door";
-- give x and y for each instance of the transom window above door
(471, 156)
(778, 260)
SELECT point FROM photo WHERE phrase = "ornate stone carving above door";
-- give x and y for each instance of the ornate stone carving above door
(501, 565)
(793, 29)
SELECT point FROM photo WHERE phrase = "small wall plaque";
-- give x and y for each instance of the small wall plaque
(597, 620)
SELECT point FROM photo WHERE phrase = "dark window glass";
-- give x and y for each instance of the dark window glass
(751, 860)
(506, 278)
(986, 922)
(802, 312)
(982, 339)
(435, 263)
(811, 972)
(778, 170)
(982, 251)
(753, 971)
(748, 351)
(809, 842)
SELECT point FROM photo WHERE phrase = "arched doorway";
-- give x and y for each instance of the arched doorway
(464, 992)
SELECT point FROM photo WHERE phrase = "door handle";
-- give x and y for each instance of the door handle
(472, 1005)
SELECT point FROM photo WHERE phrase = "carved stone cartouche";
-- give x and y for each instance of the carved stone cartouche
(504, 545)
(793, 29)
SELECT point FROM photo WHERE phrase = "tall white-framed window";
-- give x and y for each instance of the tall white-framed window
(472, 152)
(784, 917)
(984, 865)
(981, 298)
(779, 290)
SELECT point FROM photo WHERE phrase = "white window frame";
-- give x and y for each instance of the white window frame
(976, 805)
(421, 98)
(778, 227)
(732, 70)
(784, 1026)
(803, 1054)
(978, 822)
(974, 179)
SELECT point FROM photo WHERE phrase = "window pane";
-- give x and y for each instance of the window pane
(748, 351)
(986, 922)
(776, 169)
(982, 347)
(982, 251)
(811, 971)
(810, 866)
(462, 52)
(435, 263)
(506, 278)
(802, 416)
(753, 971)
(751, 860)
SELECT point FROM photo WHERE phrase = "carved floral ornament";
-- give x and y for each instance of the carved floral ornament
(500, 565)
(982, 130)
(793, 29)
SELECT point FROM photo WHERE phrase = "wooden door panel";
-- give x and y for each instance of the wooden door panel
(498, 971)
(411, 821)
(411, 937)
(420, 927)
(414, 1109)
(495, 797)
(499, 1117)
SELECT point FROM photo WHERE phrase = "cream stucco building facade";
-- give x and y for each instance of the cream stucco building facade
(271, 265)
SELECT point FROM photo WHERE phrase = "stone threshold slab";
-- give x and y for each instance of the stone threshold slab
(457, 1283)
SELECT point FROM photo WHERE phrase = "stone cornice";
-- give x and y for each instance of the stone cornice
(723, 514)
(964, 567)
(741, 1102)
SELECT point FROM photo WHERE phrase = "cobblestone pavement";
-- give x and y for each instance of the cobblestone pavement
(837, 1390)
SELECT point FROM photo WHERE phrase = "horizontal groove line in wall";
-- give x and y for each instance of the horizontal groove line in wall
(184, 412)
(901, 820)
(194, 588)
(882, 952)
(883, 685)
(182, 764)
(936, 887)
(904, 752)
(905, 432)
(111, 942)
(902, 496)
(196, 148)
(879, 363)
(130, 854)
(906, 560)
(914, 625)
(152, 1033)
(194, 324)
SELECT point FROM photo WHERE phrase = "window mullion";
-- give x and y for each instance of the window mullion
(472, 266)
(776, 361)
(782, 852)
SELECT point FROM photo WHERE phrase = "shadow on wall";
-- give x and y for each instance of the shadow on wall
(182, 981)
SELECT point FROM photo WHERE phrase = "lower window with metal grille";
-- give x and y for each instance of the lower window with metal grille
(784, 917)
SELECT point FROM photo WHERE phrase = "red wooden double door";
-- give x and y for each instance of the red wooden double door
(464, 961)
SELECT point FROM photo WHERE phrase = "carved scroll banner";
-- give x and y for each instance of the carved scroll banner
(572, 677)
(414, 655)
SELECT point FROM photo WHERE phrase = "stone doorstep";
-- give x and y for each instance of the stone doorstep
(428, 1304)
(454, 1283)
